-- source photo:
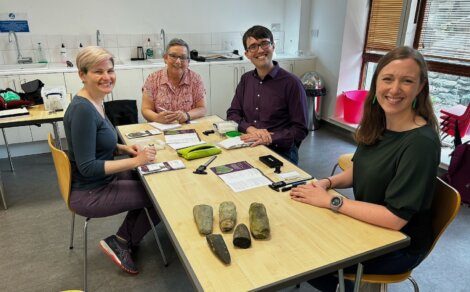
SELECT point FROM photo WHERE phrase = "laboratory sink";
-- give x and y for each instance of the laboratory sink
(8, 67)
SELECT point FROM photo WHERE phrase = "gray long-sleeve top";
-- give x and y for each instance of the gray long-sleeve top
(91, 141)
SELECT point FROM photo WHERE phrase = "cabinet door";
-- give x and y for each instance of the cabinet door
(223, 81)
(203, 71)
(287, 65)
(242, 68)
(129, 86)
(39, 133)
(147, 71)
(73, 83)
(10, 81)
(303, 66)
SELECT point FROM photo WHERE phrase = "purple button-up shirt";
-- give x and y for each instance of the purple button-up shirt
(277, 103)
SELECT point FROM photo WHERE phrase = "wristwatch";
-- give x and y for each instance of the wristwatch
(336, 203)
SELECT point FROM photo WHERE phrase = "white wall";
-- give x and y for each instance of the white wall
(145, 16)
(328, 17)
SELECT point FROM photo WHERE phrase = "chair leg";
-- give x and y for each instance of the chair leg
(334, 169)
(72, 229)
(2, 192)
(85, 263)
(383, 287)
(415, 284)
(156, 237)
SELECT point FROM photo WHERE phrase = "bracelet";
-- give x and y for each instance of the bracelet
(187, 116)
(331, 183)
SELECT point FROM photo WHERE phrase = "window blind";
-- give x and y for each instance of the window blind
(445, 33)
(384, 25)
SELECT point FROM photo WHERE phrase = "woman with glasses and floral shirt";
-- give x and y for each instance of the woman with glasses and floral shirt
(174, 93)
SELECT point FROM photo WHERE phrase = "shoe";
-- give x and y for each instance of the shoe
(119, 254)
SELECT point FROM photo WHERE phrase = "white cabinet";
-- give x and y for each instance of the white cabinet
(303, 66)
(224, 81)
(73, 83)
(129, 86)
(203, 71)
(287, 65)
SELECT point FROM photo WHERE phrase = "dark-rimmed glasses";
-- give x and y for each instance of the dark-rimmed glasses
(182, 58)
(254, 47)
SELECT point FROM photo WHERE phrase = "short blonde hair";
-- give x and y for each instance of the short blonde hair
(90, 56)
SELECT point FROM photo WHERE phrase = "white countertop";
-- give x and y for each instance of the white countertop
(61, 68)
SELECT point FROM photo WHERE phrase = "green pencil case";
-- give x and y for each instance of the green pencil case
(198, 151)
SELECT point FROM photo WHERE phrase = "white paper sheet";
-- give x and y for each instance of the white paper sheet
(245, 179)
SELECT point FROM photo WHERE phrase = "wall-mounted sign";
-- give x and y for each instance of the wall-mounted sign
(12, 21)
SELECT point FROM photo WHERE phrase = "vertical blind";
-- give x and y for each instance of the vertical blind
(445, 32)
(384, 25)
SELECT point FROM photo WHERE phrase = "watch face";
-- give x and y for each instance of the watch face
(336, 201)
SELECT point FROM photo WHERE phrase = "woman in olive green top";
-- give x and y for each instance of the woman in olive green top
(395, 164)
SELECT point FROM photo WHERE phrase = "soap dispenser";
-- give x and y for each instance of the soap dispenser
(63, 54)
(41, 54)
(149, 50)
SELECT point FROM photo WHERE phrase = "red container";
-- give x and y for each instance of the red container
(353, 105)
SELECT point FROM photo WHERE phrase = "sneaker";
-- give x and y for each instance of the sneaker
(119, 254)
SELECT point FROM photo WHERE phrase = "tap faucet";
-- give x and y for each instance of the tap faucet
(98, 37)
(20, 59)
(163, 38)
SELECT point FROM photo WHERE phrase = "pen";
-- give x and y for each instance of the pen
(162, 109)
(288, 188)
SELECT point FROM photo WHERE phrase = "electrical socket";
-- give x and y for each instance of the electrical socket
(315, 32)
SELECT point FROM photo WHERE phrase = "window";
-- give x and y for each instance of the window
(442, 36)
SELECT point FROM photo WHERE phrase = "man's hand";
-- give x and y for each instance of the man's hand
(257, 136)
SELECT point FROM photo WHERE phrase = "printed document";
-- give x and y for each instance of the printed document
(241, 176)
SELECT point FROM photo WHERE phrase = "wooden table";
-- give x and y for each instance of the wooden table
(37, 115)
(306, 241)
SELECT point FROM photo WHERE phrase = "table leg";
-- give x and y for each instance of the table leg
(2, 193)
(58, 143)
(8, 150)
(357, 283)
(341, 280)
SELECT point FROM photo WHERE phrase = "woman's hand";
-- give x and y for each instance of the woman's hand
(167, 117)
(146, 155)
(182, 117)
(311, 194)
(127, 150)
(323, 183)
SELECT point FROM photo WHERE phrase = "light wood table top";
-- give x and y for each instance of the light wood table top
(37, 115)
(305, 242)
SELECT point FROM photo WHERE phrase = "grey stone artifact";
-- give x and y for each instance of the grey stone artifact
(227, 216)
(259, 222)
(217, 244)
(241, 236)
(203, 217)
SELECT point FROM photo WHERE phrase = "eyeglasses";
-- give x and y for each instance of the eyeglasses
(264, 45)
(182, 58)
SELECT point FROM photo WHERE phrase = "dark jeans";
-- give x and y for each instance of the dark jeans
(292, 154)
(124, 193)
(396, 262)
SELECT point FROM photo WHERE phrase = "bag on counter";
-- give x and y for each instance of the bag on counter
(10, 99)
(32, 90)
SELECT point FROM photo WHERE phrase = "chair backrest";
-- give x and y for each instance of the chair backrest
(121, 112)
(62, 169)
(445, 206)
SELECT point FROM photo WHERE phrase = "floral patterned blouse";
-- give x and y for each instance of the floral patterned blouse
(183, 97)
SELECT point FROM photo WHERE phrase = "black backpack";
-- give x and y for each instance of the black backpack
(121, 112)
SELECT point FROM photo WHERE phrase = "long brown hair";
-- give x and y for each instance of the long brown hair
(373, 123)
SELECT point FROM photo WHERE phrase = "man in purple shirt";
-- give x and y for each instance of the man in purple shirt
(270, 105)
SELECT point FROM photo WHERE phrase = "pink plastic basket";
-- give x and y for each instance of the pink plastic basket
(353, 105)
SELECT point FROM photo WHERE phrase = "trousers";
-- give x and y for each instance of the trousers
(124, 193)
